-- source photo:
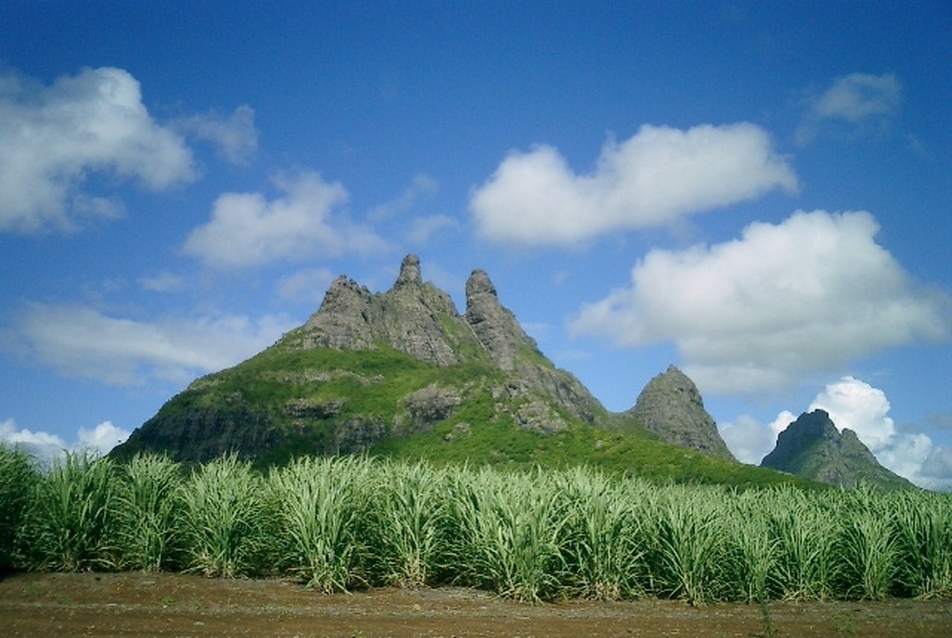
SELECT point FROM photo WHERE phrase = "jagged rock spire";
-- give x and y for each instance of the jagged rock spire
(409, 272)
(495, 326)
(422, 321)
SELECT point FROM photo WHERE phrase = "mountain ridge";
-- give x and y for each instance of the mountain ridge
(403, 373)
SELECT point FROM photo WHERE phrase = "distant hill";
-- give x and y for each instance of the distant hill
(812, 447)
(404, 374)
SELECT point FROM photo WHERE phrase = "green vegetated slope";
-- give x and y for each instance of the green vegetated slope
(288, 402)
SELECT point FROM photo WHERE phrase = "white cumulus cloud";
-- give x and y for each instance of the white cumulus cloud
(102, 438)
(46, 447)
(856, 405)
(654, 178)
(247, 229)
(806, 295)
(39, 444)
(52, 137)
(82, 342)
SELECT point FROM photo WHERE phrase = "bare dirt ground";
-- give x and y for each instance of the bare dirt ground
(136, 604)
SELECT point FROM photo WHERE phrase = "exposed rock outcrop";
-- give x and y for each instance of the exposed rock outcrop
(413, 317)
(494, 326)
(813, 447)
(671, 407)
(422, 321)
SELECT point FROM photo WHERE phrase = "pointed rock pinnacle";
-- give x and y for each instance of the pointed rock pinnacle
(409, 272)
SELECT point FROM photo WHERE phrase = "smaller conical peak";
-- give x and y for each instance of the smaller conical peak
(409, 272)
(478, 284)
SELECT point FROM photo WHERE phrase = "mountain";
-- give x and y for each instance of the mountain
(812, 447)
(404, 374)
(671, 407)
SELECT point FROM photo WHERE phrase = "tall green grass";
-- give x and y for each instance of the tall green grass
(692, 538)
(606, 544)
(922, 529)
(224, 519)
(411, 523)
(511, 533)
(752, 552)
(149, 511)
(70, 525)
(18, 480)
(342, 523)
(320, 514)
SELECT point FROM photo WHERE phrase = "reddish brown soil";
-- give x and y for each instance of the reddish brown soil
(135, 604)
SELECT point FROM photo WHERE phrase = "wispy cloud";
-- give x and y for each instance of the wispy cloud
(247, 229)
(234, 137)
(163, 282)
(809, 294)
(422, 188)
(80, 341)
(52, 137)
(654, 178)
(306, 285)
(857, 100)
(422, 229)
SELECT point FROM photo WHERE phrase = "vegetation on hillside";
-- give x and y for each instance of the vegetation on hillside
(314, 400)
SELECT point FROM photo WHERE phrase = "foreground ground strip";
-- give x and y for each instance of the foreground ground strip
(163, 604)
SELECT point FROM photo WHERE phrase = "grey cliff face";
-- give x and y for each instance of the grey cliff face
(814, 448)
(671, 406)
(512, 349)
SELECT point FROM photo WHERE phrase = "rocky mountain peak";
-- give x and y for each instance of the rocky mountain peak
(814, 448)
(419, 319)
(409, 317)
(671, 406)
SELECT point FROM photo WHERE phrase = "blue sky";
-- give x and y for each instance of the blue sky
(759, 193)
